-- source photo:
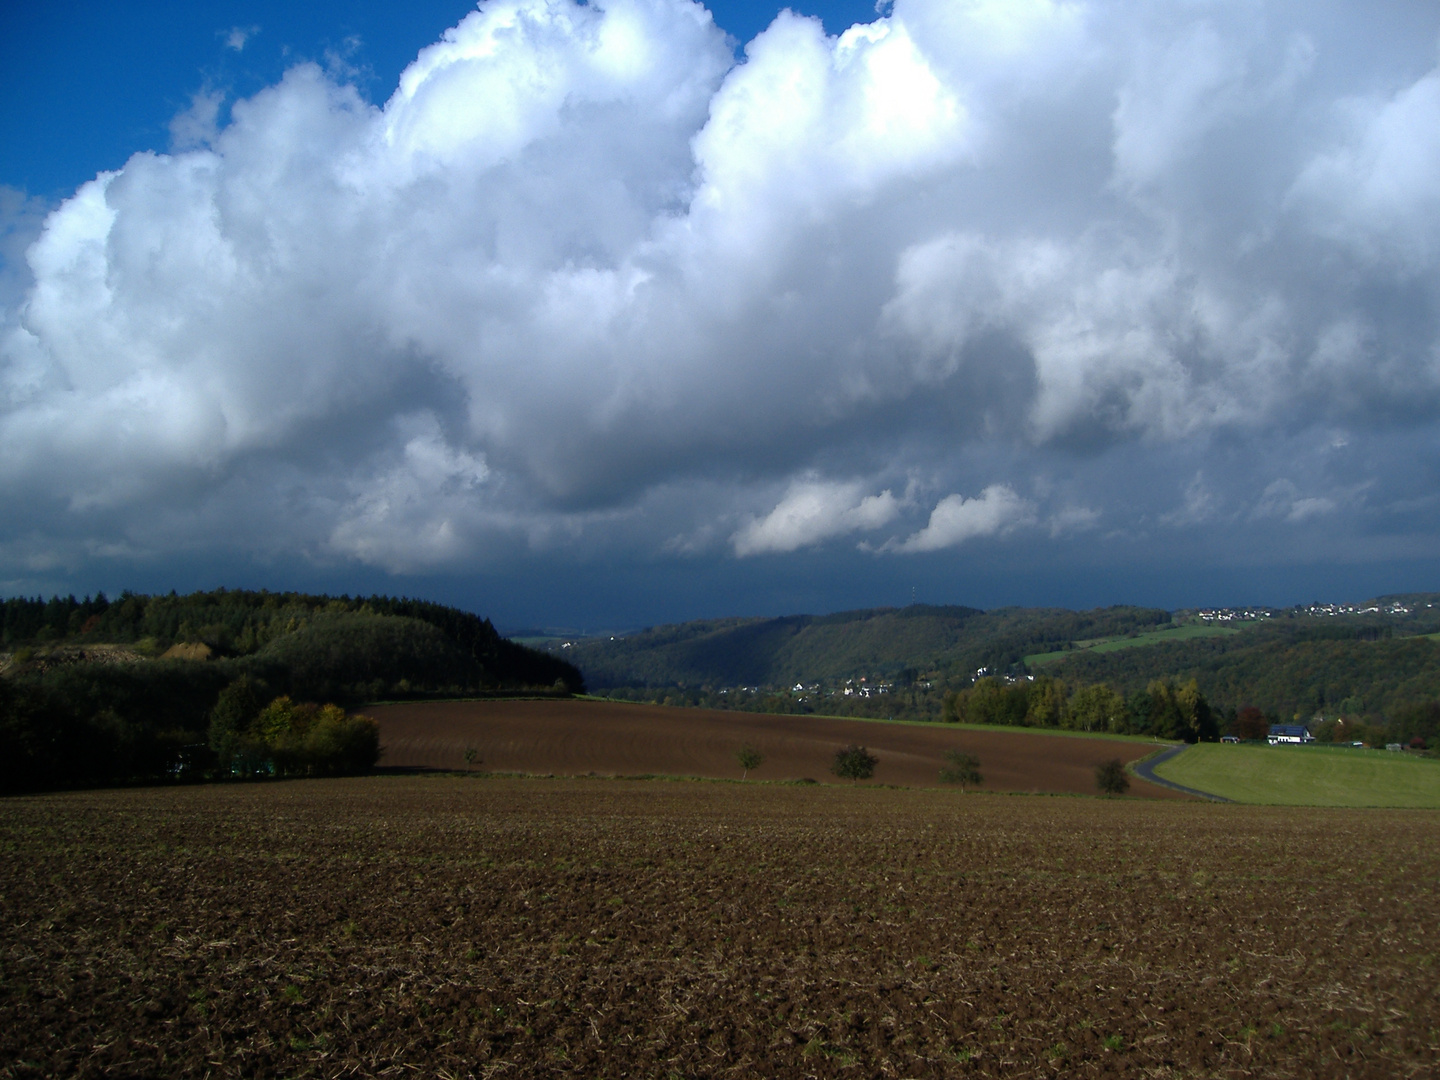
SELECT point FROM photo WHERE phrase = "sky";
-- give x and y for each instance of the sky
(593, 316)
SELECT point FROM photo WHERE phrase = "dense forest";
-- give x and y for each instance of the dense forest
(1289, 669)
(97, 691)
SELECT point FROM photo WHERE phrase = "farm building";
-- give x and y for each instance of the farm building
(1289, 733)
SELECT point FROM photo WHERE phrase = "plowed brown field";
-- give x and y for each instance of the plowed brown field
(500, 927)
(573, 738)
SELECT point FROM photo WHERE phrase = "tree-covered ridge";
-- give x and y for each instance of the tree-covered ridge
(96, 692)
(242, 623)
(1289, 671)
(883, 642)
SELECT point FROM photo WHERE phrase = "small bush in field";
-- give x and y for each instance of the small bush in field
(854, 763)
(749, 758)
(1110, 777)
(962, 769)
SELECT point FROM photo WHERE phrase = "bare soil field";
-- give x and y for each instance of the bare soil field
(458, 926)
(575, 738)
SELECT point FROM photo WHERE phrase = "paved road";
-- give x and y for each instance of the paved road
(1146, 771)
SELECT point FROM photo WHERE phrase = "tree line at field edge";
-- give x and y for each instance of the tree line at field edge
(96, 692)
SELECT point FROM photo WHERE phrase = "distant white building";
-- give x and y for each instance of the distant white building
(1289, 733)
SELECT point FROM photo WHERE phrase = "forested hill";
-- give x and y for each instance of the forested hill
(1290, 671)
(101, 691)
(1374, 659)
(352, 647)
(880, 643)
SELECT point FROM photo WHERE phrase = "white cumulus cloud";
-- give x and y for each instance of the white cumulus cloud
(955, 519)
(608, 262)
(814, 510)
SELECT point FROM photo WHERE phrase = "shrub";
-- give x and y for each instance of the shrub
(1110, 777)
(749, 758)
(854, 763)
(963, 769)
(340, 745)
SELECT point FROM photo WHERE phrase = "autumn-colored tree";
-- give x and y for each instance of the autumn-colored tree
(1045, 704)
(1098, 708)
(1250, 723)
(290, 739)
(990, 701)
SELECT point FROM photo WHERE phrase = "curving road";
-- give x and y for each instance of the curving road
(1146, 771)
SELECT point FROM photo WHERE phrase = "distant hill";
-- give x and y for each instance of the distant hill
(1368, 658)
(882, 643)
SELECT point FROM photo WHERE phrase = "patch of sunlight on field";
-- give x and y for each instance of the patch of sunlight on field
(1308, 775)
(1154, 637)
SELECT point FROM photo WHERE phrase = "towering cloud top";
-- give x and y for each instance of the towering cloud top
(584, 279)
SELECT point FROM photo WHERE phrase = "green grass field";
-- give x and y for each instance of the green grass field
(1154, 637)
(1308, 775)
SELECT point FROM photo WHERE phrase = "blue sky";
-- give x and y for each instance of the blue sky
(88, 84)
(599, 318)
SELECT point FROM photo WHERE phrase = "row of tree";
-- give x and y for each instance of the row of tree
(902, 701)
(1170, 710)
(94, 725)
(1164, 710)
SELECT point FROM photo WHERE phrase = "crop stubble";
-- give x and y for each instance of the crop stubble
(508, 927)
